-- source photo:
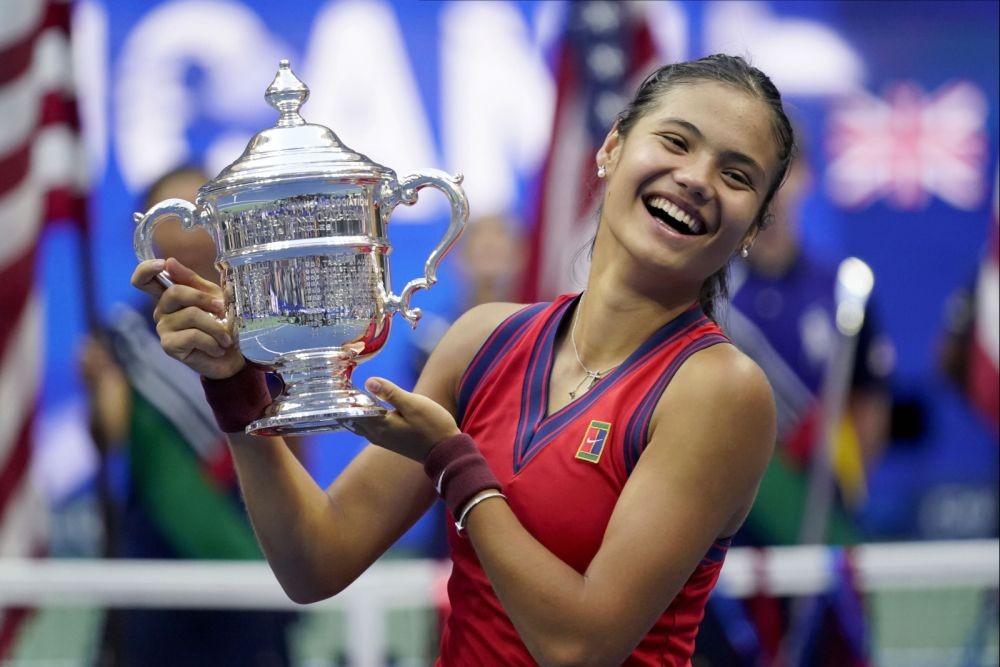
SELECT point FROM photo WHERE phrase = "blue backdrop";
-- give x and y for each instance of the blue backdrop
(898, 108)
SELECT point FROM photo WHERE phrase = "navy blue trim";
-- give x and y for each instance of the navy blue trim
(545, 429)
(494, 349)
(534, 392)
(717, 552)
(637, 431)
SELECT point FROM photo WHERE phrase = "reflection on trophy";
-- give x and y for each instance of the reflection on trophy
(300, 224)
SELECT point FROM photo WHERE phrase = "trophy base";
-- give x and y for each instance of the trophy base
(318, 396)
(315, 422)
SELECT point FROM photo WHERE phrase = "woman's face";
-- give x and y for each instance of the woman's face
(686, 183)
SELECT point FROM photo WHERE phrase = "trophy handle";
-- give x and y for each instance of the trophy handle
(145, 222)
(409, 186)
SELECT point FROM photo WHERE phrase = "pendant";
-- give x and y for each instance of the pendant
(590, 375)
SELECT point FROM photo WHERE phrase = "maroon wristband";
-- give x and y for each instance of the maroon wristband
(459, 471)
(237, 400)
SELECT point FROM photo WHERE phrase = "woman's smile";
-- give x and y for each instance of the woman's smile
(675, 216)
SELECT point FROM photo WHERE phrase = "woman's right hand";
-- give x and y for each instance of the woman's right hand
(189, 318)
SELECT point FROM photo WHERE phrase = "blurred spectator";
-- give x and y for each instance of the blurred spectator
(491, 258)
(968, 353)
(175, 484)
(782, 314)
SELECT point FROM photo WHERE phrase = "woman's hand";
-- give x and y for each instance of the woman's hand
(189, 320)
(415, 425)
(109, 396)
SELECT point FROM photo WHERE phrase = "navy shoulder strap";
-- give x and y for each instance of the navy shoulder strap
(495, 347)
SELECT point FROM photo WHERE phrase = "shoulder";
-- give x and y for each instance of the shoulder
(480, 321)
(725, 380)
(712, 435)
(723, 397)
(457, 348)
(468, 333)
(724, 372)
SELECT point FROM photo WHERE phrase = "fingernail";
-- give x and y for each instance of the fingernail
(218, 304)
(373, 385)
(159, 264)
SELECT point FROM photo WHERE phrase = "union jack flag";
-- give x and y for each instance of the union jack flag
(909, 146)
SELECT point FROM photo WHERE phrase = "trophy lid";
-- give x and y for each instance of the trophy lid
(294, 149)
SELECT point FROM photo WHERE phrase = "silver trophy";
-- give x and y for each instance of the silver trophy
(300, 222)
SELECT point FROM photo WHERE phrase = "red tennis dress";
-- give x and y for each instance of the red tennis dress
(562, 473)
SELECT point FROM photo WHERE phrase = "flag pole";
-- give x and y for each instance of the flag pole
(852, 291)
(109, 646)
(77, 208)
(855, 281)
(88, 300)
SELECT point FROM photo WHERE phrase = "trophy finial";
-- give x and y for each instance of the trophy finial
(286, 94)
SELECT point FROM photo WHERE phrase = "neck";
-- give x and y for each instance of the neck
(611, 321)
(624, 303)
(594, 373)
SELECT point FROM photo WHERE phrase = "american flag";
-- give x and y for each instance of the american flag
(908, 147)
(606, 49)
(984, 354)
(39, 181)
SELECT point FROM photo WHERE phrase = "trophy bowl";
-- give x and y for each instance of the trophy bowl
(299, 221)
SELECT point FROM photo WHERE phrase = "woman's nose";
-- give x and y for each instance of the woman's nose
(695, 177)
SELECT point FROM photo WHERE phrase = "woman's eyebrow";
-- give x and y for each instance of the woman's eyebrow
(743, 159)
(687, 125)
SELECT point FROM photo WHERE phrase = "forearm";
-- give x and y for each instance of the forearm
(319, 541)
(293, 518)
(553, 607)
(870, 409)
(110, 413)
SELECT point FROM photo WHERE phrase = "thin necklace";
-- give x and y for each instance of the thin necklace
(593, 376)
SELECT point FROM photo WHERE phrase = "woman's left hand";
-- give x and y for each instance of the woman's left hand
(412, 428)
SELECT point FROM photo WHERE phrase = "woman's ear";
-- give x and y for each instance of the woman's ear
(607, 154)
(751, 235)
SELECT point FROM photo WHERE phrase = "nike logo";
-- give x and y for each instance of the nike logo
(595, 441)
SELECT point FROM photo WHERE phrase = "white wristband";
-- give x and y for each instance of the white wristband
(489, 493)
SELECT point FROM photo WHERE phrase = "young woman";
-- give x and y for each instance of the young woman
(597, 452)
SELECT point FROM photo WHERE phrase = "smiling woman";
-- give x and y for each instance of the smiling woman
(737, 166)
(582, 498)
(698, 165)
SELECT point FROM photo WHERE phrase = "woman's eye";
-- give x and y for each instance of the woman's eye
(739, 177)
(675, 141)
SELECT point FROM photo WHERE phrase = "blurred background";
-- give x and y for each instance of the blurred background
(896, 105)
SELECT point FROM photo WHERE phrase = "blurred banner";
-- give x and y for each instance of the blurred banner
(897, 111)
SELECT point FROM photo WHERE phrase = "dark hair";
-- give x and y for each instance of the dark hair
(736, 72)
(150, 197)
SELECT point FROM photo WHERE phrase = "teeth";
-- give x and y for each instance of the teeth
(676, 213)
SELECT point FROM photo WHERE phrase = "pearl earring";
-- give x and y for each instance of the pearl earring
(601, 171)
(745, 251)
